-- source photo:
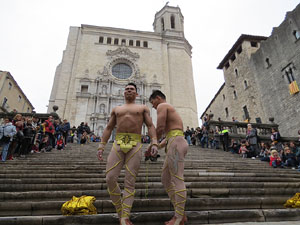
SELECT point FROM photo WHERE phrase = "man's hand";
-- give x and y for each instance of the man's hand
(153, 150)
(99, 154)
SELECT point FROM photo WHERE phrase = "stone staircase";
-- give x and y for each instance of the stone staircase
(222, 188)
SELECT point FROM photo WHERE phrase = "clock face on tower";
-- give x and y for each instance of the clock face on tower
(121, 71)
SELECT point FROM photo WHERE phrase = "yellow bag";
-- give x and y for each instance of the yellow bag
(79, 206)
(293, 202)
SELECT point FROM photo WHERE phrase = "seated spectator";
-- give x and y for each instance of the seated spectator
(35, 147)
(234, 147)
(60, 143)
(265, 152)
(293, 147)
(289, 158)
(83, 138)
(275, 160)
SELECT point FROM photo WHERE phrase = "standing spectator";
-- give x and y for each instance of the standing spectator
(251, 137)
(80, 131)
(7, 131)
(65, 130)
(188, 135)
(72, 133)
(18, 139)
(49, 131)
(224, 137)
(275, 138)
(29, 133)
(216, 139)
(204, 139)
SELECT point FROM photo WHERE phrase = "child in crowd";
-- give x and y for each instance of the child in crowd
(243, 149)
(60, 143)
(275, 160)
(35, 147)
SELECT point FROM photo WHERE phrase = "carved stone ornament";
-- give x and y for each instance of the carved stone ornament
(86, 72)
(122, 51)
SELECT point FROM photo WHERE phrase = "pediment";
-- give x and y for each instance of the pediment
(121, 51)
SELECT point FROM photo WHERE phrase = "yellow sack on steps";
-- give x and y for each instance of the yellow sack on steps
(79, 206)
(293, 202)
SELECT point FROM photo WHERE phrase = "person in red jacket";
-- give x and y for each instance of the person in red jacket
(275, 159)
(49, 131)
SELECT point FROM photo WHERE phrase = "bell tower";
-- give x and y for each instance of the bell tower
(169, 21)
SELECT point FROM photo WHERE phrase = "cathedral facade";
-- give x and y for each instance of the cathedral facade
(99, 61)
(262, 79)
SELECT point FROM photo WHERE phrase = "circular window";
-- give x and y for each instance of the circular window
(121, 71)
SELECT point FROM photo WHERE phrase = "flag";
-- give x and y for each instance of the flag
(293, 87)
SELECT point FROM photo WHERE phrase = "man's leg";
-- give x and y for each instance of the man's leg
(132, 165)
(115, 161)
(175, 160)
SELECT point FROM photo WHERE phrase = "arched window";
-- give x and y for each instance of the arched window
(145, 44)
(234, 94)
(226, 112)
(101, 39)
(116, 41)
(102, 109)
(236, 72)
(162, 24)
(296, 34)
(123, 42)
(138, 43)
(172, 22)
(245, 84)
(108, 40)
(130, 42)
(223, 97)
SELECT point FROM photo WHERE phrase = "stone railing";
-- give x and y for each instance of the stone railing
(238, 130)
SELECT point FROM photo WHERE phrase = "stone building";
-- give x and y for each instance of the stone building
(261, 76)
(99, 61)
(12, 98)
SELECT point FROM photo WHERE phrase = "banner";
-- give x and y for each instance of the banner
(293, 87)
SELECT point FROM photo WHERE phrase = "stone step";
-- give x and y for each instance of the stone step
(53, 207)
(64, 194)
(158, 218)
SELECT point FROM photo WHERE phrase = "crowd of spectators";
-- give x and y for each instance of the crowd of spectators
(23, 135)
(274, 151)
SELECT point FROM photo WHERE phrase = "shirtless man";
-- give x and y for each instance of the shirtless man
(126, 149)
(170, 124)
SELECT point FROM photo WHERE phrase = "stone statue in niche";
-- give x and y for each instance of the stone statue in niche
(104, 90)
(102, 109)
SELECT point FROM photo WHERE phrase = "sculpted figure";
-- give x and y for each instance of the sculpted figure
(170, 124)
(126, 150)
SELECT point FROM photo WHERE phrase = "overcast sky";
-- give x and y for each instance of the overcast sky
(34, 34)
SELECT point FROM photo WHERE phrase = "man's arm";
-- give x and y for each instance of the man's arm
(106, 133)
(149, 124)
(110, 126)
(161, 120)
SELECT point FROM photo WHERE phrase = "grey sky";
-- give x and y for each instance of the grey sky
(34, 34)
